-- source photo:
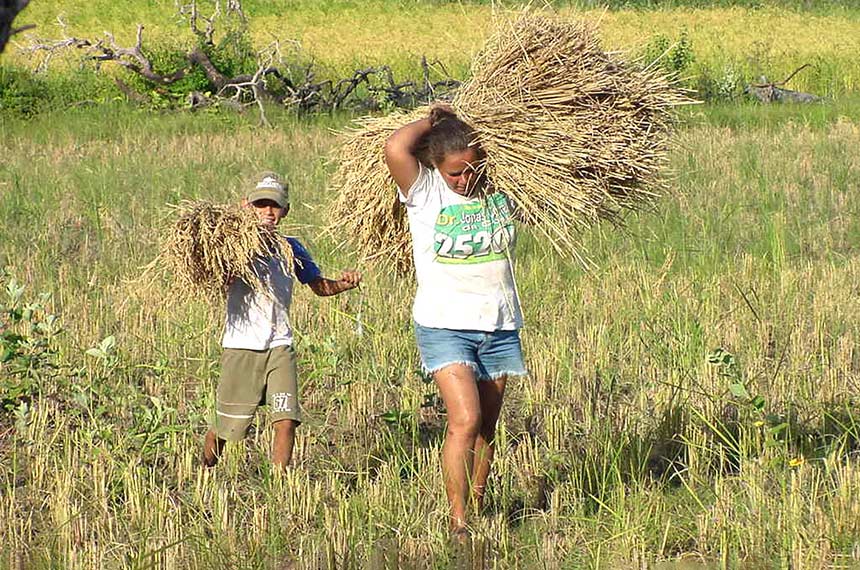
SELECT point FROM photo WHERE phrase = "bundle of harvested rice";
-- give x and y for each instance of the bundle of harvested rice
(366, 210)
(209, 244)
(572, 134)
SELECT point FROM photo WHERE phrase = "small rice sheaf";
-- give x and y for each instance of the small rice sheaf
(209, 244)
(573, 135)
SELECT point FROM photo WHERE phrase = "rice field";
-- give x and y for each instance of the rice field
(693, 398)
(630, 445)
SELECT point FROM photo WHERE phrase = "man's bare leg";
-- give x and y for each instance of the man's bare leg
(282, 445)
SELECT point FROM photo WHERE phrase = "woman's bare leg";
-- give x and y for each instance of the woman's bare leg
(491, 394)
(459, 390)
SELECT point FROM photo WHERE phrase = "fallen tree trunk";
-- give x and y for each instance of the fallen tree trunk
(768, 92)
(271, 81)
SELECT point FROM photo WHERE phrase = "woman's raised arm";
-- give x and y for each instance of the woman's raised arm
(399, 153)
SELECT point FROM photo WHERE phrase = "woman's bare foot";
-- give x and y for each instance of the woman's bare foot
(460, 536)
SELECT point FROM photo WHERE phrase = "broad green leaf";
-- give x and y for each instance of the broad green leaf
(739, 391)
(108, 344)
(97, 353)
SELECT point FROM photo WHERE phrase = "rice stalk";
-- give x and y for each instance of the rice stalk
(366, 209)
(208, 245)
(573, 135)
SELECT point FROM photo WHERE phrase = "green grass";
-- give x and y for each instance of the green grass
(625, 448)
(775, 117)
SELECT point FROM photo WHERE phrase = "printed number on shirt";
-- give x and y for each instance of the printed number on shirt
(475, 232)
(477, 244)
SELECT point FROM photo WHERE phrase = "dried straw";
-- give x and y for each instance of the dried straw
(366, 210)
(209, 244)
(573, 135)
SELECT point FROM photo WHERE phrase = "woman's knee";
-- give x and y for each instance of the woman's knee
(465, 423)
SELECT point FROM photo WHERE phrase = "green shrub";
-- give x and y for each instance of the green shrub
(726, 84)
(673, 56)
(27, 350)
(22, 93)
(25, 93)
(232, 55)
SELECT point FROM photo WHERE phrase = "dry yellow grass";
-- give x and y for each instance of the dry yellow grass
(110, 479)
(344, 38)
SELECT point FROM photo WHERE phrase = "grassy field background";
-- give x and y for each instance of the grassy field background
(692, 403)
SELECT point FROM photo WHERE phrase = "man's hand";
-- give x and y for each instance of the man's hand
(327, 287)
(351, 279)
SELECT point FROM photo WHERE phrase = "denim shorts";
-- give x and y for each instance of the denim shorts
(490, 354)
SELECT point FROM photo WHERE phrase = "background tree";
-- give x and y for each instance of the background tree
(8, 10)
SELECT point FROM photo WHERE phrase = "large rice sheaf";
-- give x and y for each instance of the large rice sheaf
(573, 135)
(208, 245)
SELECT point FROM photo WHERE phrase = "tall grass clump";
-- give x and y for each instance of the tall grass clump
(24, 93)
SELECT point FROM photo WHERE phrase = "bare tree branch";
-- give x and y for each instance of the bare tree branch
(786, 80)
(106, 49)
(134, 59)
(236, 6)
(215, 77)
(273, 80)
(191, 12)
(253, 88)
(768, 92)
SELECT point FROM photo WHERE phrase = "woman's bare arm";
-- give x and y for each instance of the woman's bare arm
(399, 153)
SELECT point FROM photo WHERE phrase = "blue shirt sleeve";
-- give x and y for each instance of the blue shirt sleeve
(303, 265)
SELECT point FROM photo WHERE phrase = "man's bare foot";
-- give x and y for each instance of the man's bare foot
(212, 448)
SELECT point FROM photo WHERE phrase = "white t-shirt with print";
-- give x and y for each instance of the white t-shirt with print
(257, 321)
(463, 250)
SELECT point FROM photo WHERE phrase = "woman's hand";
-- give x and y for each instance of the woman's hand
(440, 111)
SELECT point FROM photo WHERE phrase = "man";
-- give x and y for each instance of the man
(258, 364)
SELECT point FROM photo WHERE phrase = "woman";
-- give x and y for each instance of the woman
(467, 312)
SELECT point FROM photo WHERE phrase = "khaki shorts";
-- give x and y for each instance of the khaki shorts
(252, 378)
